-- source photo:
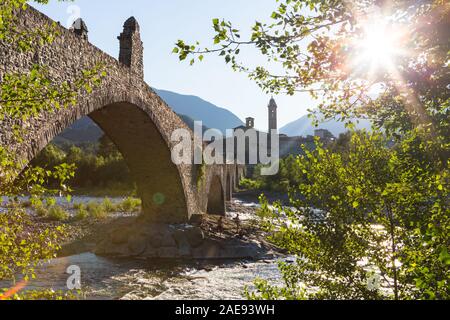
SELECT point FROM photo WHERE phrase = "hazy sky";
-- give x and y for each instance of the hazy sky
(162, 23)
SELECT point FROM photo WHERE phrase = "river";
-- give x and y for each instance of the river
(104, 278)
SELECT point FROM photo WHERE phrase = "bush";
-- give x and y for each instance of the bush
(81, 213)
(387, 224)
(57, 213)
(249, 184)
(130, 205)
(109, 206)
(40, 210)
(78, 205)
(96, 211)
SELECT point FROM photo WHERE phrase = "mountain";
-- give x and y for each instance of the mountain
(304, 126)
(86, 131)
(189, 108)
(81, 131)
(190, 122)
(198, 109)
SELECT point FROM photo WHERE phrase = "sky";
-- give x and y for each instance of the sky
(162, 23)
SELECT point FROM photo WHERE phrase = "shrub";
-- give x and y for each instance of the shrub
(96, 211)
(81, 213)
(249, 184)
(57, 213)
(78, 205)
(40, 210)
(130, 205)
(109, 206)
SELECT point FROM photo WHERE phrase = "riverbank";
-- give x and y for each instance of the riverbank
(208, 237)
(225, 265)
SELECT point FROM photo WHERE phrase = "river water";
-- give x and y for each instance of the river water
(103, 278)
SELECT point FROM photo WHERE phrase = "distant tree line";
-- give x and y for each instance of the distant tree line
(99, 166)
(288, 174)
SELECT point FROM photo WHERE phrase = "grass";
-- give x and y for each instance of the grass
(91, 210)
(57, 213)
(81, 213)
(109, 206)
(130, 205)
(96, 211)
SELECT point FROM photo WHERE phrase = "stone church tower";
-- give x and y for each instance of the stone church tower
(272, 115)
(131, 47)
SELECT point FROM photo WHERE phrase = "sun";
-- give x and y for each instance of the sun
(378, 47)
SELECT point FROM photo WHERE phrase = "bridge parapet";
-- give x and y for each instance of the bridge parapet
(136, 119)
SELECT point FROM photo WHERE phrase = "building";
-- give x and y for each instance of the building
(273, 125)
(249, 124)
(324, 135)
(287, 145)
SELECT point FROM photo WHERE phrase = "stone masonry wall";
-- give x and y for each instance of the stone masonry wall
(126, 108)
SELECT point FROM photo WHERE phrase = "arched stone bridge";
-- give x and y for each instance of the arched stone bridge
(135, 118)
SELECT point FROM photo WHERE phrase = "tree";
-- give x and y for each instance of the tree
(386, 61)
(370, 212)
(22, 97)
(342, 51)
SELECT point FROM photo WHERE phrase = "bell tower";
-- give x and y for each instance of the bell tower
(131, 47)
(272, 115)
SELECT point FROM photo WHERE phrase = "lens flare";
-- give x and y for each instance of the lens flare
(11, 292)
(378, 47)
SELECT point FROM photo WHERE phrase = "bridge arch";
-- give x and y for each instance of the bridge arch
(138, 135)
(229, 187)
(128, 111)
(215, 200)
(148, 157)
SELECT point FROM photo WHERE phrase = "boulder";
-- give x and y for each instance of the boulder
(154, 239)
(167, 240)
(150, 252)
(210, 249)
(184, 249)
(137, 245)
(120, 236)
(195, 236)
(107, 248)
(168, 252)
(180, 237)
(239, 252)
(196, 219)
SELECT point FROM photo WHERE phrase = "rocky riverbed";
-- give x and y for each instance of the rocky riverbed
(134, 237)
(125, 257)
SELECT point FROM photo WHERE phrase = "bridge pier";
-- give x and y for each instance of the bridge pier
(138, 121)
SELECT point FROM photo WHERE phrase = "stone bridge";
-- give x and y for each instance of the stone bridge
(135, 118)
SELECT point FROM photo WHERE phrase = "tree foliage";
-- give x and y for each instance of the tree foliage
(97, 167)
(24, 96)
(372, 203)
(319, 48)
(369, 212)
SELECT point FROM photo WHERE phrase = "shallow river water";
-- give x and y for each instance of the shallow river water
(103, 278)
(133, 279)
